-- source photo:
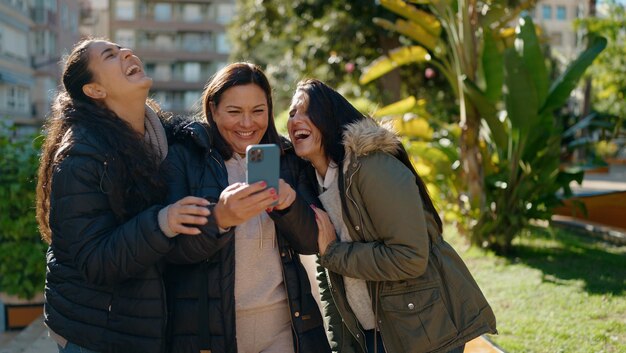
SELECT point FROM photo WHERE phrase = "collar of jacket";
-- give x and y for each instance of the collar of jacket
(368, 136)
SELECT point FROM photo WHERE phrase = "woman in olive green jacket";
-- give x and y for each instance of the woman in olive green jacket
(391, 283)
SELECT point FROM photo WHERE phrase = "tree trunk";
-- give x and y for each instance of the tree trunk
(390, 84)
(471, 157)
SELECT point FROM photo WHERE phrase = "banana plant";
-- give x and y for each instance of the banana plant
(463, 39)
(510, 157)
(526, 174)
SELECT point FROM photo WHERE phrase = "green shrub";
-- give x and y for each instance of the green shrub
(22, 252)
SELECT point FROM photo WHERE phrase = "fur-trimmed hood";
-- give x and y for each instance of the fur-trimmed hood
(367, 136)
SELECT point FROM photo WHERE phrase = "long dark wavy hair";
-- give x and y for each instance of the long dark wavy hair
(330, 112)
(237, 74)
(131, 165)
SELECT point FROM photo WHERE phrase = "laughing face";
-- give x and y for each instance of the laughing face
(305, 136)
(241, 116)
(118, 73)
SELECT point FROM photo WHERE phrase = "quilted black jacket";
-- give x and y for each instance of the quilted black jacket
(104, 285)
(201, 283)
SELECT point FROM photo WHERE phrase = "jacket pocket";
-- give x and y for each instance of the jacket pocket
(419, 318)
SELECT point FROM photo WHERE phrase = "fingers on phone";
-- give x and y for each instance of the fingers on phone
(187, 230)
(193, 200)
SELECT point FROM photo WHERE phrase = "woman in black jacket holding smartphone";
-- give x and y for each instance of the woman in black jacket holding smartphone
(240, 286)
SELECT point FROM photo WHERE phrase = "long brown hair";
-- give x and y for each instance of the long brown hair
(237, 74)
(132, 162)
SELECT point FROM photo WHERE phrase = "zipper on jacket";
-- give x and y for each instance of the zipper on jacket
(377, 283)
(376, 300)
(343, 323)
(293, 326)
(165, 316)
(354, 202)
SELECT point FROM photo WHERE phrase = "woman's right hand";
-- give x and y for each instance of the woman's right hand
(240, 202)
(326, 235)
(186, 212)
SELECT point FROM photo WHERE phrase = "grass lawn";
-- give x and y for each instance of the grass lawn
(557, 292)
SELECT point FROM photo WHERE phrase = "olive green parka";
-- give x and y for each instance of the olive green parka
(423, 296)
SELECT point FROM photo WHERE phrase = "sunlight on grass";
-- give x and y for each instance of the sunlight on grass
(557, 292)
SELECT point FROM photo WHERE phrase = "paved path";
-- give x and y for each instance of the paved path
(600, 182)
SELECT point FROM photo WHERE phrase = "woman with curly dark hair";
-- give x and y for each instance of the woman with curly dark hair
(98, 206)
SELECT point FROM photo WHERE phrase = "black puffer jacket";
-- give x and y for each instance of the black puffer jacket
(104, 288)
(202, 294)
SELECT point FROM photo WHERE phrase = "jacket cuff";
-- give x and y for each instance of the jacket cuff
(211, 227)
(328, 258)
(164, 224)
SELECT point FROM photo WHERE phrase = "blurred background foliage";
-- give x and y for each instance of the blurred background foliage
(22, 251)
(473, 91)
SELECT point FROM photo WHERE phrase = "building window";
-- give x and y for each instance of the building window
(561, 13)
(192, 13)
(125, 38)
(225, 13)
(162, 72)
(163, 12)
(222, 44)
(546, 12)
(65, 16)
(191, 72)
(16, 44)
(191, 41)
(164, 41)
(191, 100)
(125, 10)
(17, 99)
(74, 23)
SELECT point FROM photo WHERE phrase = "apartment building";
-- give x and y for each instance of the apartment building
(34, 35)
(182, 43)
(55, 31)
(16, 73)
(556, 17)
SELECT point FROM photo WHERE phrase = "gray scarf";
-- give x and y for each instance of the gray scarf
(155, 134)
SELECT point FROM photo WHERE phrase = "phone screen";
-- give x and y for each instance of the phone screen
(263, 163)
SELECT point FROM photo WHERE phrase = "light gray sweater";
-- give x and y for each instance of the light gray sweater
(258, 272)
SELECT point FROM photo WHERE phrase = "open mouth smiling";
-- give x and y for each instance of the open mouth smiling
(133, 69)
(300, 135)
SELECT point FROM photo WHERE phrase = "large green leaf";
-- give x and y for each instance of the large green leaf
(521, 97)
(410, 30)
(533, 57)
(400, 107)
(423, 19)
(488, 112)
(397, 57)
(564, 84)
(417, 33)
(493, 62)
(583, 123)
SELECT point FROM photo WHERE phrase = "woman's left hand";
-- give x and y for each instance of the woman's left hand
(286, 195)
(327, 233)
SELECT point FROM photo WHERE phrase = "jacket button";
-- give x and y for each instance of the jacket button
(357, 228)
(296, 314)
(358, 336)
(411, 306)
(283, 254)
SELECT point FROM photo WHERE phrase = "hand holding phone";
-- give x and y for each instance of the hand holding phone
(263, 164)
